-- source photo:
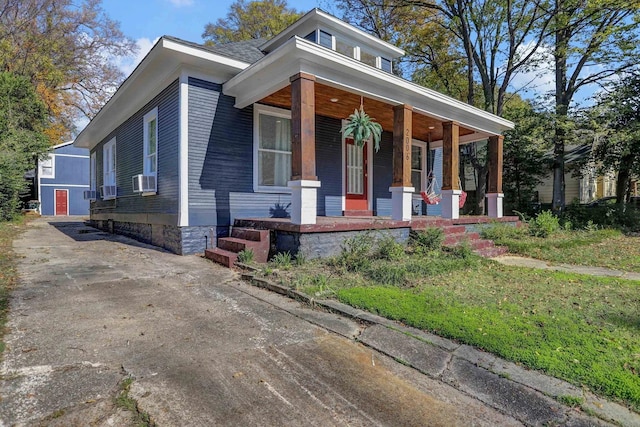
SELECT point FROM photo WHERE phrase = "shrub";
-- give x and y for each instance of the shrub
(621, 217)
(430, 239)
(282, 260)
(356, 252)
(389, 249)
(544, 224)
(462, 250)
(245, 256)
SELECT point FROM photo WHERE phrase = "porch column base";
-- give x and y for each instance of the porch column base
(495, 204)
(451, 204)
(401, 203)
(304, 201)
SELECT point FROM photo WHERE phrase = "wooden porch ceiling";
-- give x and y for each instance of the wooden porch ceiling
(347, 102)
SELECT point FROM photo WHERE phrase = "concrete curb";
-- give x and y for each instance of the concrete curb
(529, 396)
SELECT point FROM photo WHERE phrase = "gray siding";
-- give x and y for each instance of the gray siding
(129, 147)
(383, 172)
(328, 159)
(220, 153)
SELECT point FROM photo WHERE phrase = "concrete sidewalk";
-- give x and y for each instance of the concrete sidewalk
(527, 395)
(520, 261)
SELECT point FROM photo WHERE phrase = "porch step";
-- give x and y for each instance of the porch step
(483, 247)
(453, 229)
(234, 244)
(241, 239)
(221, 256)
(492, 252)
(457, 238)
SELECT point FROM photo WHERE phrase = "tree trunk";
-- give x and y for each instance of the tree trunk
(624, 175)
(562, 108)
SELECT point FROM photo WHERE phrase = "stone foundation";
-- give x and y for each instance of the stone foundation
(179, 240)
(324, 245)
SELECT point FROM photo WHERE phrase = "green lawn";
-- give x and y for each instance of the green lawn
(8, 273)
(579, 328)
(601, 248)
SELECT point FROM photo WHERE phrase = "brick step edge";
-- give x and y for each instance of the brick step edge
(221, 256)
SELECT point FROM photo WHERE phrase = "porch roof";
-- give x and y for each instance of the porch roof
(268, 79)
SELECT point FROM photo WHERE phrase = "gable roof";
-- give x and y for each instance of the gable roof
(245, 51)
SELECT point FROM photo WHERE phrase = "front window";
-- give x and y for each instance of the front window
(150, 166)
(417, 167)
(273, 146)
(47, 167)
(109, 170)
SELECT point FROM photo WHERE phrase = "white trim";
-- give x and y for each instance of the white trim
(328, 22)
(423, 177)
(64, 144)
(370, 160)
(52, 158)
(72, 155)
(110, 143)
(334, 69)
(274, 112)
(93, 172)
(66, 185)
(183, 151)
(55, 201)
(147, 118)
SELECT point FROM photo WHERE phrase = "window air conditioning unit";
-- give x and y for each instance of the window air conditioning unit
(144, 184)
(90, 195)
(109, 191)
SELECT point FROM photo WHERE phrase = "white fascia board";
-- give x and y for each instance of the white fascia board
(161, 66)
(333, 69)
(323, 19)
(64, 144)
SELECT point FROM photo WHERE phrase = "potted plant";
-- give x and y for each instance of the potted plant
(361, 127)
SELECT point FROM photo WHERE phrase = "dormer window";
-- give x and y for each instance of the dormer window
(385, 64)
(344, 48)
(368, 58)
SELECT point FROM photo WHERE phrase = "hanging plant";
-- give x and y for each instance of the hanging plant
(361, 127)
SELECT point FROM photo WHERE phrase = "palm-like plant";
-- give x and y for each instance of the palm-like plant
(361, 127)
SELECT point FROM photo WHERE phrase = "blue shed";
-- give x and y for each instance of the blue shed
(62, 179)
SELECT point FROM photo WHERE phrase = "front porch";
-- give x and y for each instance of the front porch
(326, 237)
(305, 82)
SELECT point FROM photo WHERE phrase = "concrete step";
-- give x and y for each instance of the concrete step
(250, 234)
(221, 256)
(457, 238)
(492, 251)
(234, 244)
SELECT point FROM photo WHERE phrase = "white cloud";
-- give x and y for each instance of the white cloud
(128, 63)
(181, 3)
(537, 79)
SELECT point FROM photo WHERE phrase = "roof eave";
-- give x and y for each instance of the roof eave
(298, 55)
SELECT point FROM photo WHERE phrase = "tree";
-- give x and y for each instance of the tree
(525, 149)
(22, 141)
(250, 20)
(64, 48)
(618, 144)
(591, 40)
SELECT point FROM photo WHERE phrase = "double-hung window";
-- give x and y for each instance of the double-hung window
(272, 148)
(418, 163)
(48, 167)
(150, 166)
(109, 190)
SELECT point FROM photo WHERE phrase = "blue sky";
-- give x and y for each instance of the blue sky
(147, 20)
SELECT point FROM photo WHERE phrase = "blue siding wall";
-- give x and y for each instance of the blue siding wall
(220, 154)
(77, 204)
(71, 174)
(129, 152)
(383, 172)
(328, 159)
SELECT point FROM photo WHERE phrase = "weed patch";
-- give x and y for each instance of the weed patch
(8, 271)
(124, 401)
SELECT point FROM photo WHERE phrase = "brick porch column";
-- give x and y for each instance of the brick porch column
(450, 170)
(401, 188)
(304, 182)
(494, 193)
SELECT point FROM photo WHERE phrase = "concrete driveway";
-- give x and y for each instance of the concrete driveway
(203, 347)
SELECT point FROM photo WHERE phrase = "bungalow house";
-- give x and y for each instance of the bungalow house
(62, 180)
(199, 137)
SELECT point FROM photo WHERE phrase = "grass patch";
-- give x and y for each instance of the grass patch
(8, 271)
(598, 248)
(126, 402)
(583, 329)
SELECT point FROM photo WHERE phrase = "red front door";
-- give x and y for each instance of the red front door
(356, 177)
(62, 202)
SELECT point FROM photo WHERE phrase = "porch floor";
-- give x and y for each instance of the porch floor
(325, 224)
